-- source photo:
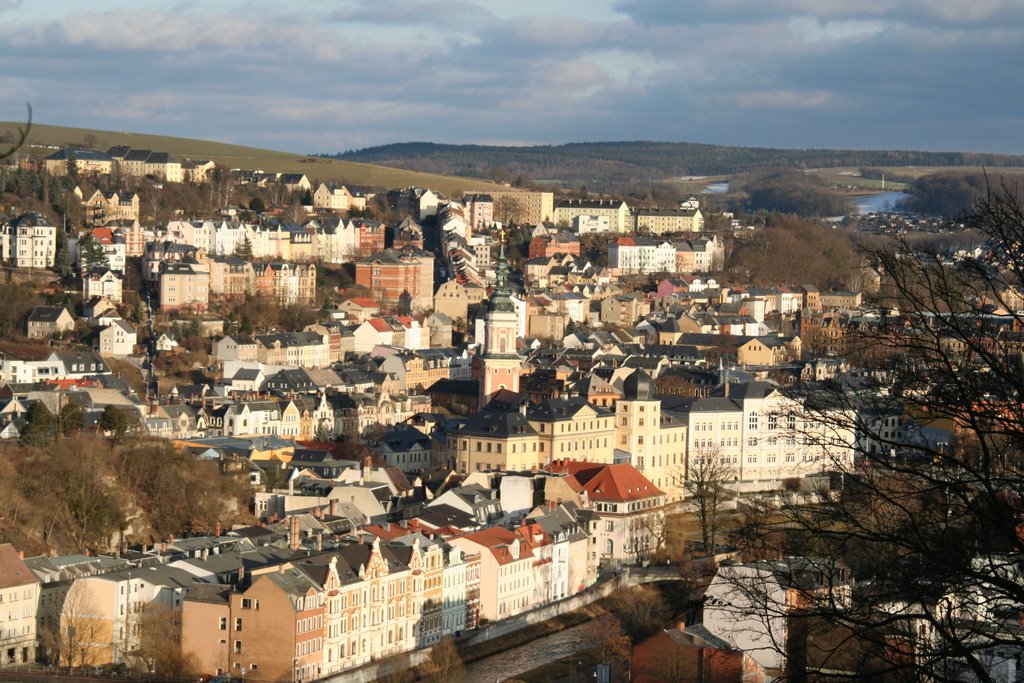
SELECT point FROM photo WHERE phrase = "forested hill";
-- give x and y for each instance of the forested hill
(618, 163)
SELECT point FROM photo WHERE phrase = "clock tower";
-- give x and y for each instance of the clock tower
(500, 360)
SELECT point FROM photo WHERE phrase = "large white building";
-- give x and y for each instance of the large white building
(641, 256)
(29, 241)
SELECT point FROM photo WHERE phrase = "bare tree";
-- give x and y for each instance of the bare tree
(707, 476)
(608, 639)
(157, 633)
(443, 663)
(79, 630)
(929, 518)
(509, 210)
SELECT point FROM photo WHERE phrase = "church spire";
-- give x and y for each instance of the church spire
(502, 299)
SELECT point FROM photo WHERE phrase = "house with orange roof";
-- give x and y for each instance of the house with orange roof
(629, 510)
(360, 309)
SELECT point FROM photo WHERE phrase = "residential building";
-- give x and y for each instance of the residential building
(558, 243)
(641, 256)
(46, 321)
(104, 207)
(29, 241)
(86, 161)
(117, 340)
(692, 653)
(479, 210)
(396, 274)
(332, 199)
(617, 212)
(286, 283)
(753, 606)
(19, 602)
(102, 282)
(667, 221)
(520, 207)
(184, 284)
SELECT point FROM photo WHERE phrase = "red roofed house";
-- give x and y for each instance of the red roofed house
(559, 243)
(513, 566)
(359, 309)
(629, 508)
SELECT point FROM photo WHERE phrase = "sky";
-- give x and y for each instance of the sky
(327, 76)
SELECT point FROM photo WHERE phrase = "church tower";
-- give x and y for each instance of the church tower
(500, 360)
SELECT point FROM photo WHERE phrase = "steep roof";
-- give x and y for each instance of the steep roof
(618, 483)
(13, 570)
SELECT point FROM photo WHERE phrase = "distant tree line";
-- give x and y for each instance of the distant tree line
(603, 166)
(787, 191)
(952, 193)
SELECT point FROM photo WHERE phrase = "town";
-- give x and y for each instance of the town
(441, 415)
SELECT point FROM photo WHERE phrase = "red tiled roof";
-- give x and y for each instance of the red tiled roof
(103, 235)
(13, 571)
(499, 541)
(364, 302)
(379, 325)
(610, 483)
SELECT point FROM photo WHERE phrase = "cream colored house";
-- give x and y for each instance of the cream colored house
(117, 340)
(102, 282)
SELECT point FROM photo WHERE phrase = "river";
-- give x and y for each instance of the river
(519, 660)
(883, 201)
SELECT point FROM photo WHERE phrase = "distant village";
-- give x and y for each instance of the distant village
(494, 406)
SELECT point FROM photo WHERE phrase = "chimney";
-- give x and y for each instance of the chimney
(319, 540)
(21, 554)
(217, 529)
(334, 507)
(294, 532)
(681, 625)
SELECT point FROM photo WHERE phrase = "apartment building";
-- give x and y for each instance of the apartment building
(394, 274)
(522, 207)
(184, 284)
(567, 211)
(29, 241)
(666, 221)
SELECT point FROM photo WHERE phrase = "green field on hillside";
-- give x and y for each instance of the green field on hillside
(237, 156)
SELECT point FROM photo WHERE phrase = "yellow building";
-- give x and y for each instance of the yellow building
(519, 206)
(663, 221)
(525, 440)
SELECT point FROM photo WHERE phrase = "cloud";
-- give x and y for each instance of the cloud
(873, 73)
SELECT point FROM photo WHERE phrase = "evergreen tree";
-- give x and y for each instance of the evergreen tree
(194, 328)
(91, 254)
(244, 249)
(38, 424)
(63, 264)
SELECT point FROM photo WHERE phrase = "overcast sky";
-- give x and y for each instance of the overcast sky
(323, 76)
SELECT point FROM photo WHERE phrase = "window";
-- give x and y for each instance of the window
(238, 647)
(238, 623)
(609, 526)
(223, 623)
